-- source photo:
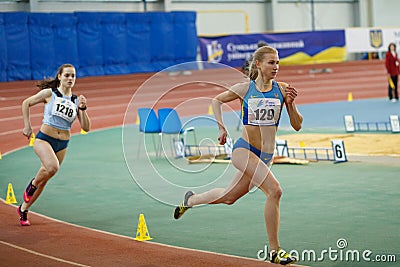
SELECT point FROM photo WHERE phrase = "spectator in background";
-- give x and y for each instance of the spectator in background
(246, 65)
(392, 68)
(373, 55)
(370, 56)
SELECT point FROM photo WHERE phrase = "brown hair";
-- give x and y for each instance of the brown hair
(53, 83)
(259, 55)
(391, 45)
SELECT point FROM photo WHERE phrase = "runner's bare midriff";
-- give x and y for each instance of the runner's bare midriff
(261, 137)
(55, 133)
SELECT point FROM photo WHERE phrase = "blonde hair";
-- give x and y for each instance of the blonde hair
(259, 55)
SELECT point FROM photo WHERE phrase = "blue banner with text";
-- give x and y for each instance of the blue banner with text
(293, 48)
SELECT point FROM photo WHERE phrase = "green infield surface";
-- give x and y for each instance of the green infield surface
(345, 214)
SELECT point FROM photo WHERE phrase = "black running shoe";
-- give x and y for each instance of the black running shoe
(180, 210)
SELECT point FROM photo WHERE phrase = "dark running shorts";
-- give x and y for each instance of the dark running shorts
(55, 143)
(265, 157)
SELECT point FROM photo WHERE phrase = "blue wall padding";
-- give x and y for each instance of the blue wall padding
(65, 40)
(18, 46)
(43, 63)
(34, 45)
(162, 40)
(185, 36)
(138, 42)
(114, 43)
(90, 43)
(3, 50)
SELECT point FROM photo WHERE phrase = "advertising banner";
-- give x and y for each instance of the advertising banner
(294, 48)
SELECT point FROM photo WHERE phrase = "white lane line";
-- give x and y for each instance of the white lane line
(42, 255)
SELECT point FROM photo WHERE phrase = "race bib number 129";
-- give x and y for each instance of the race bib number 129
(263, 111)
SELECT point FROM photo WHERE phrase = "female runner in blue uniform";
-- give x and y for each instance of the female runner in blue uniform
(262, 99)
(61, 108)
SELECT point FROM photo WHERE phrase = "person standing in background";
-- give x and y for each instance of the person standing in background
(247, 63)
(392, 68)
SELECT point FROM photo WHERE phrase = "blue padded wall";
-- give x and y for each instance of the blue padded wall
(43, 62)
(162, 40)
(138, 42)
(3, 50)
(185, 36)
(90, 44)
(18, 65)
(34, 45)
(65, 40)
(114, 43)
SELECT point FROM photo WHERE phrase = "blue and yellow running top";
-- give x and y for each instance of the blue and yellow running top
(262, 108)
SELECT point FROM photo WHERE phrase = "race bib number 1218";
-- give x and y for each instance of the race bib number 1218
(64, 108)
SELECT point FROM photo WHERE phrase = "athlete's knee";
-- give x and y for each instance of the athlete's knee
(275, 192)
(52, 169)
(272, 190)
(229, 199)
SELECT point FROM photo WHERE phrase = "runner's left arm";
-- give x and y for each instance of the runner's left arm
(83, 117)
(296, 119)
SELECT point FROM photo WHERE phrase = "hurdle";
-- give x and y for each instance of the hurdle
(336, 153)
(378, 126)
(186, 150)
(194, 150)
